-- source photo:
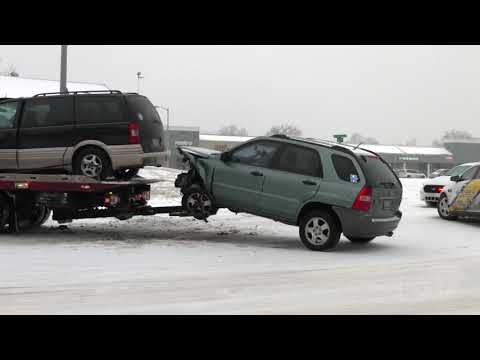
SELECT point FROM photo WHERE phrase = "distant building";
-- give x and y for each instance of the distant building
(464, 150)
(222, 142)
(14, 87)
(180, 136)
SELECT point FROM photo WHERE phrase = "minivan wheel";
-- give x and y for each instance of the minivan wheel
(319, 230)
(360, 240)
(125, 174)
(92, 162)
(444, 210)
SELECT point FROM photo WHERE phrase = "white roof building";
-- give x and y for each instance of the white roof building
(13, 87)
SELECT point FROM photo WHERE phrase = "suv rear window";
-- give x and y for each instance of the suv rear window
(100, 109)
(345, 168)
(377, 171)
(141, 109)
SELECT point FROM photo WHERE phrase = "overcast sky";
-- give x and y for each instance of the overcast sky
(393, 93)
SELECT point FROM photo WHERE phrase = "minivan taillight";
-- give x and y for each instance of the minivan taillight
(133, 133)
(363, 200)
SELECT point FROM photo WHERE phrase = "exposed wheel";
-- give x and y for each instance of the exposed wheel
(360, 240)
(4, 214)
(198, 203)
(319, 230)
(444, 209)
(125, 174)
(92, 162)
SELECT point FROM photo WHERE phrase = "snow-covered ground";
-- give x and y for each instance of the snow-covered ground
(238, 264)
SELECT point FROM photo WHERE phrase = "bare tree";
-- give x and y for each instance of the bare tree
(357, 138)
(232, 130)
(285, 129)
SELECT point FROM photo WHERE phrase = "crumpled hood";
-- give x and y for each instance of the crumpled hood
(198, 151)
(440, 180)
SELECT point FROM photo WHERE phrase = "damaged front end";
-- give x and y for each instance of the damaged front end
(197, 199)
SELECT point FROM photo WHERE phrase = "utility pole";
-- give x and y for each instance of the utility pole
(167, 137)
(139, 76)
(63, 70)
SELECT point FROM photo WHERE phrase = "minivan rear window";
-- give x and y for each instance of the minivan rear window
(377, 172)
(141, 109)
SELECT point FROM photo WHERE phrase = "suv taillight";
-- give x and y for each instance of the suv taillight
(133, 133)
(363, 200)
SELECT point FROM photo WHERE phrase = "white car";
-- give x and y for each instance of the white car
(411, 173)
(432, 188)
(461, 198)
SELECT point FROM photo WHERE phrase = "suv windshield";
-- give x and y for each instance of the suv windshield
(376, 171)
(457, 170)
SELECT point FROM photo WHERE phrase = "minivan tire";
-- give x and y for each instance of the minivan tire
(360, 240)
(92, 154)
(319, 230)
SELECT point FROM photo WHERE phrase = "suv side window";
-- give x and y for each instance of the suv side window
(8, 112)
(100, 109)
(258, 153)
(48, 112)
(300, 160)
(345, 168)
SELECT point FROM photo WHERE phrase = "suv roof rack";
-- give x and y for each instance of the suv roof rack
(79, 92)
(281, 136)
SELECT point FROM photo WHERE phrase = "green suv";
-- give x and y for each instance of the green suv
(323, 187)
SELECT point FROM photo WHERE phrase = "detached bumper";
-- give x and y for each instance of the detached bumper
(356, 223)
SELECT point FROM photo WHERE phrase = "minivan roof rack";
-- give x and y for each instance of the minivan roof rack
(79, 92)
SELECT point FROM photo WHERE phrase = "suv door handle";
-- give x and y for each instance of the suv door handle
(308, 182)
(256, 173)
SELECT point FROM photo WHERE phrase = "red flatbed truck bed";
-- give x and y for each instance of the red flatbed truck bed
(27, 200)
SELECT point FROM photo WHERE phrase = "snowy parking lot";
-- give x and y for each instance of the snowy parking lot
(239, 264)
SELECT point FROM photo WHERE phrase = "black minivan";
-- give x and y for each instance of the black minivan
(99, 134)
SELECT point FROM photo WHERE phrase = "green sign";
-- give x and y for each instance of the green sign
(340, 137)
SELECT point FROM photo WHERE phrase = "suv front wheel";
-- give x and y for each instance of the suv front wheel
(92, 162)
(319, 230)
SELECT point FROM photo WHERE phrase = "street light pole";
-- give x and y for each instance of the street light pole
(63, 70)
(139, 76)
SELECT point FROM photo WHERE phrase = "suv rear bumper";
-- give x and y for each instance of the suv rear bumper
(356, 223)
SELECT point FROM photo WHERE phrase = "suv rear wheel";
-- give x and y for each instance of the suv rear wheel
(92, 162)
(319, 230)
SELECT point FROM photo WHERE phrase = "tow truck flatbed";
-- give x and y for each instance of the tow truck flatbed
(26, 200)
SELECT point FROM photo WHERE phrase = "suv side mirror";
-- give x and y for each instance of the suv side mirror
(456, 178)
(225, 156)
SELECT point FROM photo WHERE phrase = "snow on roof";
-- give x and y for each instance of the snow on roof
(239, 139)
(14, 87)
